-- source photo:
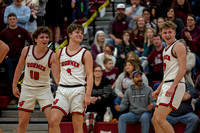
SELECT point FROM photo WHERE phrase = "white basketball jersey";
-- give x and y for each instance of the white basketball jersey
(170, 63)
(72, 68)
(37, 70)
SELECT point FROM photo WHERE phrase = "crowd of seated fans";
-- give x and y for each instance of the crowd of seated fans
(133, 34)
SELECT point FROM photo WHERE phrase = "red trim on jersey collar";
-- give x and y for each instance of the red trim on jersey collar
(82, 58)
(40, 57)
(170, 45)
(27, 52)
(49, 61)
(73, 54)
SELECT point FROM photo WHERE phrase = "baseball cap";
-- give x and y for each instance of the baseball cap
(135, 73)
(120, 6)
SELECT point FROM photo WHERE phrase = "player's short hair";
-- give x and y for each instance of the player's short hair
(106, 60)
(168, 24)
(38, 31)
(12, 15)
(74, 27)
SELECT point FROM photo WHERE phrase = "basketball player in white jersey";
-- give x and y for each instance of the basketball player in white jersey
(73, 94)
(38, 60)
(3, 50)
(171, 90)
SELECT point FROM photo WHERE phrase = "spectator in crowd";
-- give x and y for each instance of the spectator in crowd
(182, 8)
(2, 10)
(163, 6)
(15, 37)
(197, 89)
(33, 5)
(148, 18)
(138, 98)
(118, 24)
(3, 50)
(99, 44)
(148, 42)
(85, 9)
(108, 51)
(67, 13)
(155, 60)
(135, 10)
(196, 11)
(52, 20)
(124, 79)
(150, 3)
(110, 71)
(185, 113)
(22, 12)
(41, 12)
(191, 35)
(124, 48)
(137, 34)
(159, 22)
(179, 24)
(100, 95)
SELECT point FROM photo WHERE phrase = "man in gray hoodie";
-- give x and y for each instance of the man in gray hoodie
(138, 98)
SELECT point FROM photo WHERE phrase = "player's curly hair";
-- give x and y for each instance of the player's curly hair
(38, 31)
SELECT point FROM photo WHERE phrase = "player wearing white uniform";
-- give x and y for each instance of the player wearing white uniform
(72, 83)
(171, 90)
(73, 94)
(38, 61)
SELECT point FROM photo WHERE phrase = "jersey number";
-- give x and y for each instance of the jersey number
(34, 75)
(164, 66)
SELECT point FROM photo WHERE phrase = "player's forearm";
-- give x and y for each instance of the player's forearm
(17, 75)
(89, 84)
(180, 74)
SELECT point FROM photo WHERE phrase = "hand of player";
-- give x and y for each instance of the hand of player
(169, 92)
(16, 92)
(86, 100)
(117, 107)
(155, 94)
(150, 106)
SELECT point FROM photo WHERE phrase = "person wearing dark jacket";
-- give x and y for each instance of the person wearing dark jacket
(100, 95)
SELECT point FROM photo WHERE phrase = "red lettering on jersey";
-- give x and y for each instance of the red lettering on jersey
(21, 103)
(70, 62)
(167, 57)
(37, 66)
(55, 101)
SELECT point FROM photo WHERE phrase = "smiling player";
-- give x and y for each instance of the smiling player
(171, 90)
(38, 61)
(73, 94)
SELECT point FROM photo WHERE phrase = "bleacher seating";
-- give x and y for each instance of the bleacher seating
(113, 127)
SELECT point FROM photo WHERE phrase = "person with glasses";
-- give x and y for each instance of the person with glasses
(108, 53)
(100, 95)
(191, 36)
